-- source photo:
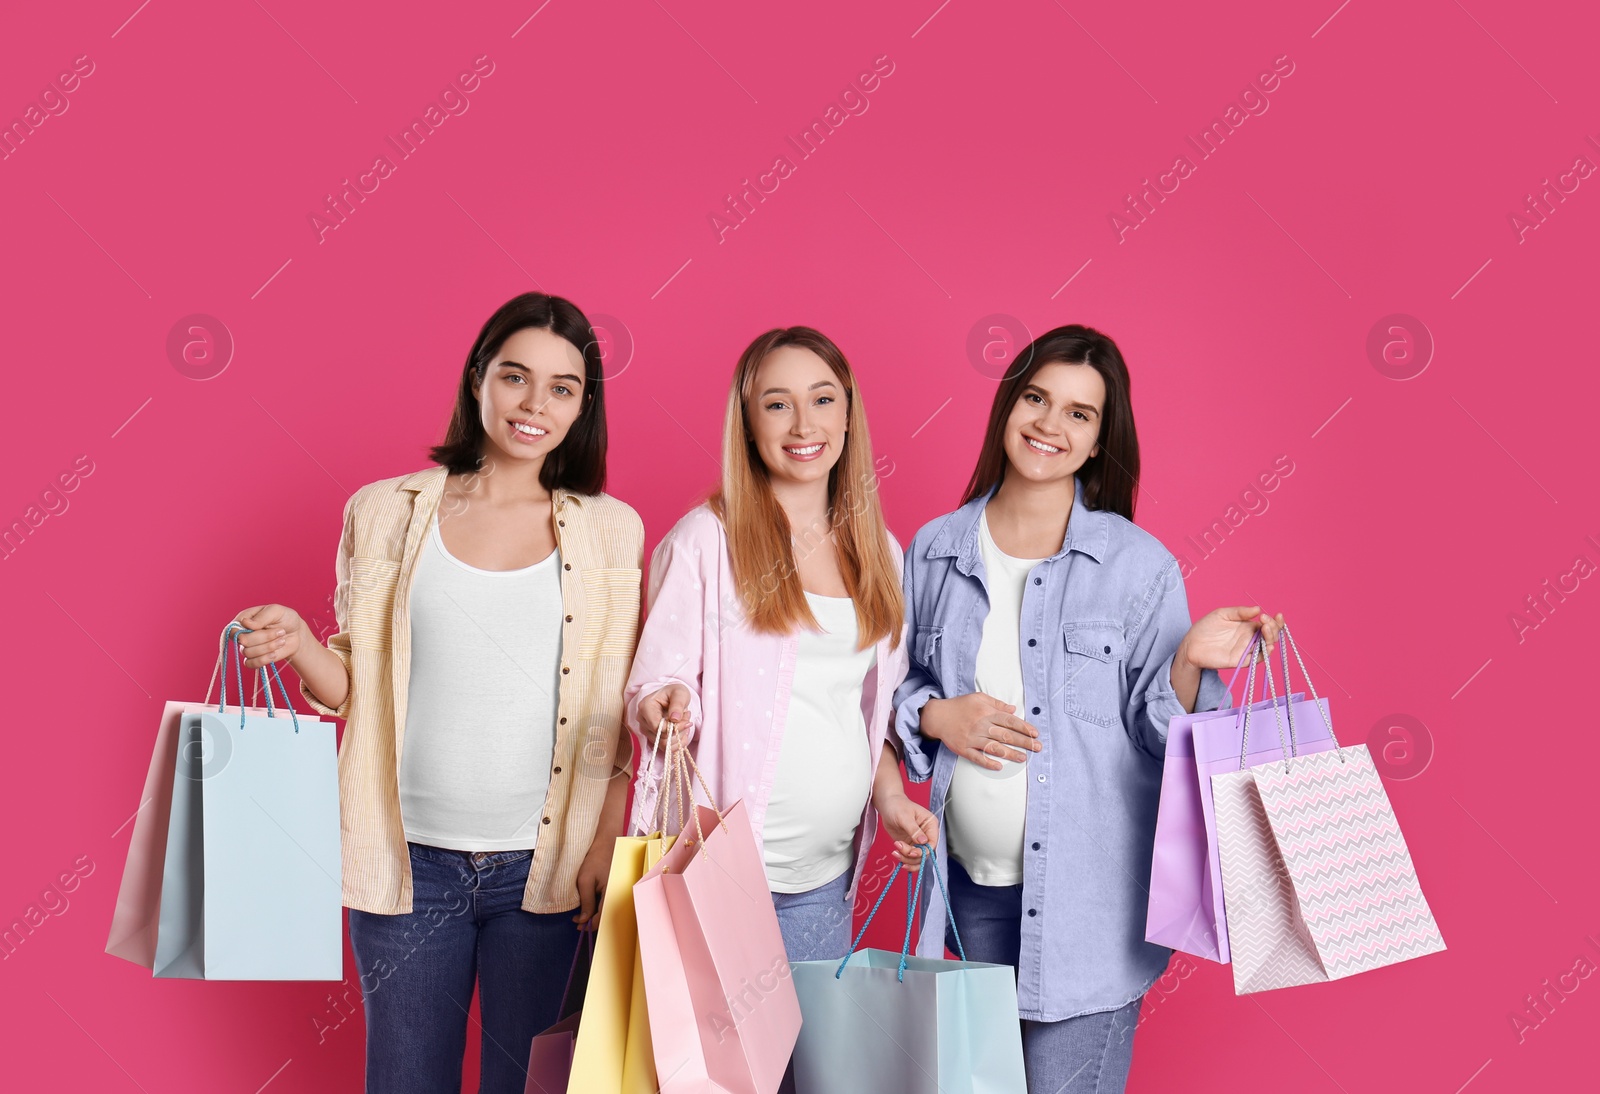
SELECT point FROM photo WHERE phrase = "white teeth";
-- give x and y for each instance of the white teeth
(530, 430)
(807, 450)
(1042, 447)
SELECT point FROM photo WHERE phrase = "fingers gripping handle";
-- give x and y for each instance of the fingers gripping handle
(230, 637)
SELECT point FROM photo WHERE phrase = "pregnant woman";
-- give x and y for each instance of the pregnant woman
(488, 609)
(774, 638)
(1051, 646)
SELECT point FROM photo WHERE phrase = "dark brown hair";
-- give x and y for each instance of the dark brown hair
(1111, 478)
(578, 463)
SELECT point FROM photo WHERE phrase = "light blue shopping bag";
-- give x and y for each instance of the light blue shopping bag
(888, 1023)
(250, 885)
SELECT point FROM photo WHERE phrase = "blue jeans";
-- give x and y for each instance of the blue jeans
(816, 923)
(1089, 1054)
(418, 970)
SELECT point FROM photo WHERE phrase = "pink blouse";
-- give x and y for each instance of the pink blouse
(738, 679)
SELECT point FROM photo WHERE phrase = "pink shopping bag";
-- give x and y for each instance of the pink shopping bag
(723, 1012)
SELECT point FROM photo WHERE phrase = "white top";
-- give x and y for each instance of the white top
(481, 711)
(824, 774)
(986, 812)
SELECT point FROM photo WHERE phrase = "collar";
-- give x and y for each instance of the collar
(1088, 531)
(432, 479)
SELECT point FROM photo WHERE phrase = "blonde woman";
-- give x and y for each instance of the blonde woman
(487, 609)
(774, 639)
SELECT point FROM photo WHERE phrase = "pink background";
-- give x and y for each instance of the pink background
(1419, 515)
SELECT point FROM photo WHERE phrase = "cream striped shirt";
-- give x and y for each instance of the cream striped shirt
(601, 543)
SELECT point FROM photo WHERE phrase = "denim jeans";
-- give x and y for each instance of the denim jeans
(418, 970)
(1088, 1054)
(816, 923)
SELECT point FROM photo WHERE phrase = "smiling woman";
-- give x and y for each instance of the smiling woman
(487, 609)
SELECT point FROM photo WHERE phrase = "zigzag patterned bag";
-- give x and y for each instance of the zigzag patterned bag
(1317, 879)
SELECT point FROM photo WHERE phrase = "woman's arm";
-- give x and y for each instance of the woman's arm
(278, 633)
(1172, 666)
(665, 679)
(1156, 668)
(910, 825)
(664, 682)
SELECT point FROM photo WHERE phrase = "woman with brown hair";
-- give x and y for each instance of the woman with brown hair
(774, 638)
(487, 610)
(1051, 646)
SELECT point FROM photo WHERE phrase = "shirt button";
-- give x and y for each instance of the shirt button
(547, 820)
(569, 619)
(1108, 649)
(566, 565)
(563, 721)
(1035, 846)
(1033, 642)
(561, 524)
(1036, 710)
(1038, 581)
(1033, 911)
(565, 670)
(1041, 778)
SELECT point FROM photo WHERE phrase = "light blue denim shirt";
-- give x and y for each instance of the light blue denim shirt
(1101, 621)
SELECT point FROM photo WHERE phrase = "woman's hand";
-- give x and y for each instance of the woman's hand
(670, 704)
(980, 727)
(1218, 640)
(276, 634)
(592, 875)
(910, 826)
(595, 869)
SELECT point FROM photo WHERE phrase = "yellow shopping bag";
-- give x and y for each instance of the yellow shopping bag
(639, 1061)
(615, 988)
(613, 1053)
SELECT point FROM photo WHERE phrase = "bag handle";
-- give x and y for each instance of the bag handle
(682, 772)
(913, 892)
(1289, 641)
(232, 632)
(1249, 697)
(1294, 746)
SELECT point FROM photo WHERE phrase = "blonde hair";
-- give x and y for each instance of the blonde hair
(760, 540)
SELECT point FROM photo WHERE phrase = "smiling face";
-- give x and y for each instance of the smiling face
(797, 415)
(530, 395)
(1055, 423)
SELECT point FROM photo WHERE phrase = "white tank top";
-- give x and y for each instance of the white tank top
(481, 710)
(986, 812)
(824, 774)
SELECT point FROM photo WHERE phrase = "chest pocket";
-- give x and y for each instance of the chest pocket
(610, 612)
(1094, 672)
(372, 587)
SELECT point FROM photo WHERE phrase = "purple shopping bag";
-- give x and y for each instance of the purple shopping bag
(1298, 728)
(550, 1053)
(1183, 911)
(1186, 910)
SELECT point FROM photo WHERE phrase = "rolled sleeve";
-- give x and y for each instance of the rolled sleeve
(917, 687)
(917, 751)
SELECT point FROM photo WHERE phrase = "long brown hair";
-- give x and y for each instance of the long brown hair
(1111, 478)
(759, 536)
(578, 463)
